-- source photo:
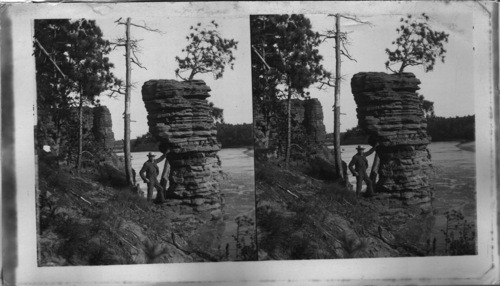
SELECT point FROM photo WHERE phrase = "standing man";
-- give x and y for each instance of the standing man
(358, 166)
(149, 173)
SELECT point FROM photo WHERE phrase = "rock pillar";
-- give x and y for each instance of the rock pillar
(390, 111)
(309, 114)
(179, 117)
(102, 127)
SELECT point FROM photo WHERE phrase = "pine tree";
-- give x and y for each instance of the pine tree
(72, 69)
(288, 47)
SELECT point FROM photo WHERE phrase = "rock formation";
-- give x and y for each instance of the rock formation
(309, 114)
(102, 127)
(180, 119)
(390, 111)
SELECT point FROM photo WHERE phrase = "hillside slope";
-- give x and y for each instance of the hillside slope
(93, 219)
(300, 217)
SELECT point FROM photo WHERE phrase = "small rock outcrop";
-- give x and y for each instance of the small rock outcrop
(180, 119)
(390, 111)
(309, 114)
(102, 127)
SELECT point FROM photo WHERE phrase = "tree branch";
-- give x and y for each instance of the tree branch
(137, 63)
(116, 91)
(260, 57)
(147, 28)
(143, 26)
(50, 58)
(346, 53)
(136, 60)
(328, 82)
(353, 18)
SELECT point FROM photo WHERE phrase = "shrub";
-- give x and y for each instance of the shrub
(460, 235)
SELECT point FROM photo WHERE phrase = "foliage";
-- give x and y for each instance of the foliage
(285, 63)
(281, 235)
(154, 252)
(460, 236)
(246, 248)
(91, 73)
(71, 70)
(427, 106)
(143, 143)
(216, 113)
(289, 45)
(452, 128)
(207, 52)
(417, 44)
(355, 135)
(235, 135)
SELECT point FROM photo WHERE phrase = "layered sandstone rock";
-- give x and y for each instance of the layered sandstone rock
(103, 127)
(180, 118)
(309, 114)
(390, 111)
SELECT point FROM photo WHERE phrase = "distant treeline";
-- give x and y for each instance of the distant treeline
(452, 128)
(459, 128)
(235, 135)
(229, 135)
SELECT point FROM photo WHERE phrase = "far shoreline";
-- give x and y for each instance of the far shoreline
(249, 149)
(467, 146)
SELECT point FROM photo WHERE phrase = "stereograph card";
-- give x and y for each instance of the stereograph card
(261, 143)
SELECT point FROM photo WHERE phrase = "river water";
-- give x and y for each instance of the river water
(237, 189)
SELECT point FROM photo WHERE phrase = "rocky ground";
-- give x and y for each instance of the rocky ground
(301, 217)
(93, 219)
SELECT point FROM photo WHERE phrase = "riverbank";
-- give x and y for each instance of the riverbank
(300, 217)
(467, 146)
(94, 218)
(454, 183)
(238, 192)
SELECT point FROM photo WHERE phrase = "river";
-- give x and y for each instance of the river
(454, 183)
(237, 189)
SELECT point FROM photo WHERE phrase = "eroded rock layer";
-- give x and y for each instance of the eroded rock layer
(103, 127)
(309, 114)
(390, 111)
(179, 117)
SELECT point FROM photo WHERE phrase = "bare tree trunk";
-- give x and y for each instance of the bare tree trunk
(336, 104)
(80, 135)
(164, 182)
(267, 134)
(126, 117)
(289, 127)
(374, 171)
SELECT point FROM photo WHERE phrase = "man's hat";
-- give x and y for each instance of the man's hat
(360, 148)
(151, 155)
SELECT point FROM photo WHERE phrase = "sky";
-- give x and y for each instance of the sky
(449, 86)
(232, 92)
